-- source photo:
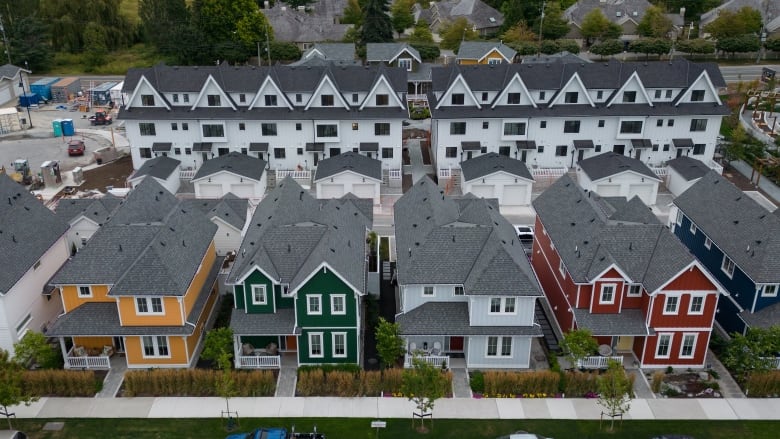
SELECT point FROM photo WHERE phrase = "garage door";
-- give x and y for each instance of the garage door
(483, 190)
(514, 195)
(608, 190)
(643, 191)
(5, 94)
(363, 190)
(332, 190)
(243, 190)
(210, 190)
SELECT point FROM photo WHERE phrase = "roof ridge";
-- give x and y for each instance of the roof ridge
(652, 254)
(481, 249)
(138, 256)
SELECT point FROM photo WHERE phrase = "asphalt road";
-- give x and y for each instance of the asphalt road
(745, 73)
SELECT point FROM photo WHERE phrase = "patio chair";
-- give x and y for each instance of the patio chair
(412, 347)
(436, 348)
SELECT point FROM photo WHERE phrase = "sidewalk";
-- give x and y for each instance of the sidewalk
(383, 408)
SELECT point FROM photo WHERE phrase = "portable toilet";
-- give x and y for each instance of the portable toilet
(56, 126)
(67, 127)
(42, 87)
(29, 99)
(62, 90)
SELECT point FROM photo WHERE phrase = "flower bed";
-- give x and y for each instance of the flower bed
(685, 385)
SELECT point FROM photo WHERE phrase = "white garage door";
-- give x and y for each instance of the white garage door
(514, 195)
(332, 190)
(363, 190)
(608, 190)
(5, 94)
(643, 191)
(210, 190)
(243, 190)
(483, 190)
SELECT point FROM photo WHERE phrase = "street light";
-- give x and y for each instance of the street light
(21, 84)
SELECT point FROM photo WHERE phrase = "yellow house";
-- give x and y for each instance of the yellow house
(482, 52)
(143, 286)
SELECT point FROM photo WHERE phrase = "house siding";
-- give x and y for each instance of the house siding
(560, 292)
(479, 312)
(413, 295)
(352, 347)
(326, 284)
(177, 347)
(244, 292)
(197, 283)
(700, 350)
(71, 299)
(477, 353)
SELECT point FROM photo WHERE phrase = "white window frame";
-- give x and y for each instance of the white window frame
(707, 243)
(504, 303)
(459, 291)
(21, 327)
(149, 306)
(629, 287)
(309, 298)
(727, 266)
(322, 348)
(678, 218)
(693, 312)
(405, 63)
(688, 335)
(668, 301)
(669, 337)
(499, 347)
(333, 310)
(264, 300)
(494, 61)
(764, 288)
(333, 344)
(89, 290)
(429, 288)
(286, 290)
(562, 268)
(693, 228)
(601, 294)
(155, 339)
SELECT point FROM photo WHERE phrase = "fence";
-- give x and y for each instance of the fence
(548, 172)
(296, 175)
(395, 174)
(597, 362)
(187, 174)
(434, 360)
(259, 362)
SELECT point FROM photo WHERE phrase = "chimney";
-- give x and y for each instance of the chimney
(682, 12)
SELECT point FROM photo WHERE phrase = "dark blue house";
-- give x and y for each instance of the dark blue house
(738, 241)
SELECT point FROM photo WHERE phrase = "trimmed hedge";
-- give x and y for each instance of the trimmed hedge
(196, 382)
(52, 382)
(763, 384)
(347, 381)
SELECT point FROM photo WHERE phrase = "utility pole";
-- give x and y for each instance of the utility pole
(541, 25)
(21, 84)
(259, 60)
(5, 40)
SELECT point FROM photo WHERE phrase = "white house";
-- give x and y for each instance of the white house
(164, 169)
(614, 175)
(33, 247)
(683, 173)
(9, 83)
(229, 213)
(235, 173)
(349, 172)
(556, 114)
(85, 216)
(496, 176)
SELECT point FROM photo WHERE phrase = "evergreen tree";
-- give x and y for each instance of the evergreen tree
(164, 23)
(227, 29)
(555, 25)
(30, 42)
(377, 27)
(353, 13)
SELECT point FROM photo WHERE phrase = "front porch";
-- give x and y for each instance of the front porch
(434, 350)
(80, 357)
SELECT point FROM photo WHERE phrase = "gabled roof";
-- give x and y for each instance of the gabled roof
(688, 168)
(98, 210)
(564, 57)
(467, 242)
(230, 209)
(616, 11)
(152, 246)
(10, 71)
(388, 52)
(28, 229)
(738, 225)
(452, 319)
(477, 12)
(349, 161)
(291, 234)
(235, 163)
(610, 164)
(159, 167)
(317, 24)
(487, 164)
(591, 234)
(479, 49)
(336, 52)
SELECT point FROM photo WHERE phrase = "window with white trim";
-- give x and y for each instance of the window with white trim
(405, 63)
(315, 345)
(769, 290)
(22, 326)
(258, 295)
(671, 304)
(502, 305)
(149, 305)
(678, 219)
(427, 291)
(155, 346)
(286, 290)
(727, 266)
(696, 307)
(338, 304)
(634, 290)
(459, 291)
(562, 268)
(662, 347)
(707, 243)
(339, 344)
(693, 228)
(607, 294)
(688, 345)
(85, 291)
(505, 344)
(314, 304)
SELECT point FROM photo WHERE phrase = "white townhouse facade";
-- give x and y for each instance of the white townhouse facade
(554, 115)
(290, 117)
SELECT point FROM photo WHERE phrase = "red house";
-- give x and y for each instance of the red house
(609, 265)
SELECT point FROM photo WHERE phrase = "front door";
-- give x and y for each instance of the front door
(205, 156)
(580, 155)
(523, 155)
(625, 343)
(468, 155)
(316, 158)
(119, 344)
(679, 152)
(638, 154)
(456, 344)
(291, 342)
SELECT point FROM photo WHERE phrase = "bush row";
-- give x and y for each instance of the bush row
(51, 382)
(763, 384)
(329, 381)
(535, 384)
(196, 382)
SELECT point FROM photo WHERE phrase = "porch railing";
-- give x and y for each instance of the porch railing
(434, 360)
(187, 174)
(548, 172)
(774, 362)
(660, 171)
(259, 361)
(445, 173)
(295, 174)
(714, 166)
(597, 362)
(395, 174)
(87, 362)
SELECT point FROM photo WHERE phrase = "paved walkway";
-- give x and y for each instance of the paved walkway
(415, 156)
(764, 183)
(728, 387)
(115, 376)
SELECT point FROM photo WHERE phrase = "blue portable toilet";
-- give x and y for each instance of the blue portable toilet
(43, 87)
(56, 126)
(29, 99)
(67, 127)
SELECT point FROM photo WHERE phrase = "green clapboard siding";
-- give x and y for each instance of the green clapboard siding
(257, 278)
(238, 296)
(326, 284)
(327, 340)
(282, 302)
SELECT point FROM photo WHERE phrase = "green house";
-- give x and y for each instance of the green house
(299, 278)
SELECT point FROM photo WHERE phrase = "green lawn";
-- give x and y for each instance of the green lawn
(398, 428)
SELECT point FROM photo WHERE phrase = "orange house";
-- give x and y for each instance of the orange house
(143, 287)
(482, 52)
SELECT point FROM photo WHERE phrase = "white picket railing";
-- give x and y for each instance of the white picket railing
(445, 173)
(259, 361)
(295, 174)
(597, 362)
(187, 174)
(714, 166)
(99, 362)
(434, 360)
(395, 174)
(548, 172)
(774, 362)
(660, 171)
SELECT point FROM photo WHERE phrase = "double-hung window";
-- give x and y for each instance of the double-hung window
(315, 344)
(214, 100)
(662, 348)
(85, 291)
(607, 294)
(155, 346)
(339, 344)
(696, 306)
(457, 128)
(502, 305)
(258, 295)
(688, 346)
(314, 304)
(727, 266)
(499, 346)
(699, 125)
(571, 126)
(338, 304)
(149, 305)
(671, 304)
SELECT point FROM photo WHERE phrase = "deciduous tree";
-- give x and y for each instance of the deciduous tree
(389, 344)
(402, 15)
(579, 344)
(695, 46)
(423, 384)
(746, 20)
(454, 32)
(218, 344)
(654, 24)
(421, 34)
(607, 48)
(163, 23)
(650, 46)
(353, 13)
(615, 391)
(555, 25)
(519, 32)
(11, 385)
(773, 44)
(740, 44)
(596, 26)
(34, 349)
(30, 41)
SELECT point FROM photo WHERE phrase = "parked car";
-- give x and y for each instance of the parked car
(276, 433)
(76, 147)
(525, 234)
(12, 434)
(521, 435)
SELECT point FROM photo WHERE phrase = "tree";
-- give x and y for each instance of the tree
(654, 24)
(377, 27)
(695, 46)
(555, 25)
(402, 15)
(745, 354)
(423, 384)
(163, 23)
(428, 52)
(595, 25)
(773, 44)
(452, 33)
(353, 13)
(389, 344)
(735, 23)
(285, 51)
(525, 48)
(226, 386)
(29, 39)
(218, 343)
(740, 44)
(615, 391)
(34, 349)
(69, 21)
(607, 48)
(227, 30)
(579, 344)
(12, 385)
(548, 47)
(517, 33)
(95, 45)
(421, 34)
(648, 46)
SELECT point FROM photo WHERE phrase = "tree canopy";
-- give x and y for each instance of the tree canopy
(11, 385)
(421, 34)
(738, 44)
(227, 29)
(519, 32)
(615, 391)
(555, 25)
(654, 24)
(595, 25)
(424, 384)
(353, 13)
(735, 23)
(650, 46)
(402, 17)
(607, 48)
(452, 33)
(389, 344)
(695, 46)
(377, 27)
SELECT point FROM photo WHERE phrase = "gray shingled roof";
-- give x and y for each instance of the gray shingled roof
(764, 318)
(627, 9)
(28, 229)
(769, 9)
(349, 161)
(626, 322)
(332, 51)
(291, 234)
(610, 164)
(159, 167)
(317, 24)
(487, 164)
(234, 162)
(388, 52)
(466, 242)
(478, 49)
(9, 71)
(688, 168)
(590, 235)
(282, 322)
(98, 210)
(564, 57)
(737, 224)
(477, 12)
(229, 208)
(452, 318)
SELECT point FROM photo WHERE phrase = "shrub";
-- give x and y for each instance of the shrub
(579, 384)
(658, 380)
(477, 381)
(310, 382)
(370, 383)
(763, 384)
(52, 382)
(196, 382)
(501, 383)
(392, 379)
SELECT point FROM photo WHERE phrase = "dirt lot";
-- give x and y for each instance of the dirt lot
(111, 174)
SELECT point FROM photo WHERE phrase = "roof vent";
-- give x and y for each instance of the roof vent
(183, 244)
(747, 249)
(120, 247)
(453, 238)
(289, 248)
(162, 243)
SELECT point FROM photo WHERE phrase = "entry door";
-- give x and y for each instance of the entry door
(580, 155)
(205, 156)
(637, 153)
(523, 155)
(468, 155)
(292, 343)
(679, 152)
(316, 158)
(625, 343)
(119, 344)
(456, 344)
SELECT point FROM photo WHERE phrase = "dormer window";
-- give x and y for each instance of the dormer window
(214, 101)
(147, 100)
(382, 100)
(458, 99)
(629, 96)
(270, 100)
(600, 95)
(175, 98)
(242, 98)
(697, 96)
(542, 95)
(513, 98)
(326, 100)
(405, 63)
(571, 97)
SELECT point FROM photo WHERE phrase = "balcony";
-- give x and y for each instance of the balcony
(442, 361)
(598, 362)
(79, 358)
